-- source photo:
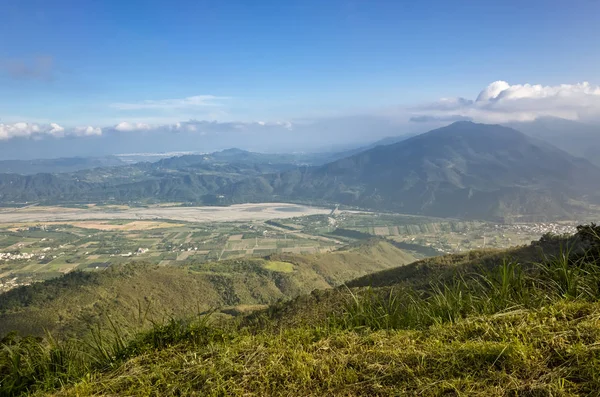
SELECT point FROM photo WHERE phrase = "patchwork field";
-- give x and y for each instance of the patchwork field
(38, 243)
(34, 251)
(430, 236)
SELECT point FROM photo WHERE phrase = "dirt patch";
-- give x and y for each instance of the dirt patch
(134, 225)
(234, 213)
(184, 255)
(99, 225)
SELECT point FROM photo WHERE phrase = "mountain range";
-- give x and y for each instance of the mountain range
(464, 170)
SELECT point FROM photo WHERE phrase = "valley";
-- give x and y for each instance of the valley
(299, 198)
(39, 243)
(103, 266)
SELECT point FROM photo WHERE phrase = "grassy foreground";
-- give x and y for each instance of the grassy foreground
(516, 328)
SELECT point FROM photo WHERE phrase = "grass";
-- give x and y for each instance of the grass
(550, 351)
(278, 266)
(516, 328)
(68, 305)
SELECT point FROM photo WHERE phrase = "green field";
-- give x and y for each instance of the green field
(35, 251)
(39, 251)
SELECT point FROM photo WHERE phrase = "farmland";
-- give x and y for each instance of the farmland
(36, 250)
(428, 235)
(38, 243)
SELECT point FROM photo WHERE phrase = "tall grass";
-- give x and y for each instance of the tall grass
(28, 363)
(45, 363)
(508, 286)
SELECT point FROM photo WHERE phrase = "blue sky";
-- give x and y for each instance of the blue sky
(99, 63)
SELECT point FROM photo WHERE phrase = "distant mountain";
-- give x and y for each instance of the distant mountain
(59, 165)
(578, 139)
(242, 159)
(463, 170)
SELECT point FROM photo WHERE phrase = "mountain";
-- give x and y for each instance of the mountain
(59, 165)
(464, 170)
(576, 138)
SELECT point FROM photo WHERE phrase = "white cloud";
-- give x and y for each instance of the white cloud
(171, 104)
(126, 127)
(34, 130)
(56, 129)
(203, 127)
(200, 127)
(501, 102)
(87, 131)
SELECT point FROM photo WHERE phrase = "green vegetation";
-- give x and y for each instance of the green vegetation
(40, 251)
(526, 323)
(78, 300)
(277, 266)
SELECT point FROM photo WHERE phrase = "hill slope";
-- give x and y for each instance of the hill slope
(71, 304)
(463, 170)
(522, 325)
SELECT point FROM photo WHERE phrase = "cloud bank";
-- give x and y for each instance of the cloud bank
(502, 102)
(201, 127)
(499, 102)
(34, 130)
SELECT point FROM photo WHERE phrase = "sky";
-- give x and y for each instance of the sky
(87, 76)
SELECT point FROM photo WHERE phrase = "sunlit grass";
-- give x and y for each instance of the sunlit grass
(513, 329)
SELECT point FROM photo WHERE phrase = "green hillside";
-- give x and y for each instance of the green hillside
(521, 322)
(71, 304)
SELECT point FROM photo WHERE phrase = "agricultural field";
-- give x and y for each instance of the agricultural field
(31, 252)
(430, 236)
(95, 237)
